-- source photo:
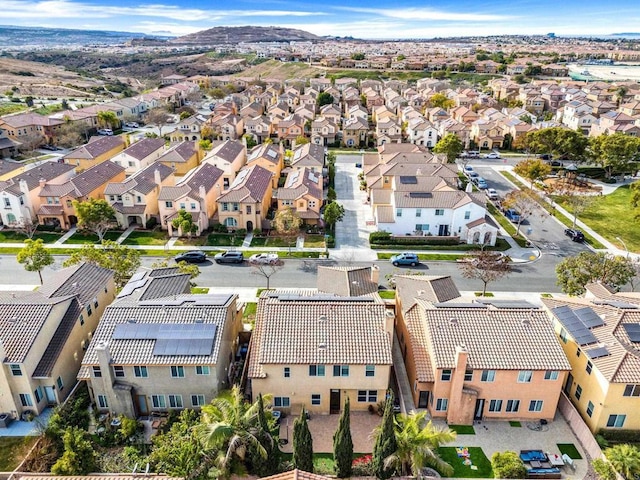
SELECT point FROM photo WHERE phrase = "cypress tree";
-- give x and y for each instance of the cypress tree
(343, 444)
(265, 466)
(302, 444)
(386, 444)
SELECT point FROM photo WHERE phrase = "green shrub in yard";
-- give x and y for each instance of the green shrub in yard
(604, 470)
(508, 465)
(620, 436)
(151, 223)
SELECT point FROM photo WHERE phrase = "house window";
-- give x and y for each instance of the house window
(118, 371)
(398, 212)
(248, 209)
(495, 406)
(81, 319)
(59, 383)
(102, 401)
(488, 376)
(467, 215)
(468, 375)
(131, 164)
(22, 200)
(590, 407)
(525, 376)
(315, 399)
(287, 372)
(158, 401)
(182, 206)
(418, 212)
(551, 375)
(231, 222)
(25, 400)
(631, 391)
(168, 204)
(341, 370)
(616, 421)
(138, 199)
(442, 404)
(281, 402)
(422, 227)
(16, 371)
(38, 394)
(140, 371)
(578, 393)
(439, 212)
(89, 311)
(535, 405)
(193, 206)
(69, 203)
(368, 396)
(445, 376)
(316, 370)
(97, 373)
(235, 206)
(177, 371)
(202, 370)
(563, 335)
(512, 406)
(578, 352)
(589, 367)
(312, 204)
(7, 202)
(369, 370)
(95, 303)
(197, 400)
(175, 401)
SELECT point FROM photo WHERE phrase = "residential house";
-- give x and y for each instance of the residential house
(20, 194)
(43, 335)
(259, 128)
(611, 122)
(289, 128)
(302, 350)
(135, 199)
(56, 199)
(181, 157)
(270, 157)
(486, 134)
(227, 127)
(229, 156)
(98, 150)
(388, 131)
(355, 132)
(308, 155)
(323, 131)
(246, 202)
(481, 362)
(196, 194)
(188, 129)
(159, 348)
(30, 127)
(8, 146)
(422, 132)
(600, 335)
(302, 192)
(10, 168)
(140, 154)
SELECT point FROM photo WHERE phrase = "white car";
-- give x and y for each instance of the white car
(264, 258)
(105, 131)
(492, 194)
(492, 155)
(132, 125)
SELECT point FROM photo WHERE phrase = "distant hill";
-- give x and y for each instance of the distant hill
(226, 35)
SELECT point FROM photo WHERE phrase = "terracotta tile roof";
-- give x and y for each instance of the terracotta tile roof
(179, 153)
(84, 280)
(250, 185)
(436, 289)
(128, 210)
(385, 214)
(84, 183)
(46, 209)
(419, 345)
(205, 175)
(46, 171)
(97, 146)
(269, 152)
(309, 327)
(308, 155)
(301, 182)
(143, 181)
(7, 166)
(144, 147)
(436, 199)
(227, 150)
(346, 281)
(292, 475)
(25, 119)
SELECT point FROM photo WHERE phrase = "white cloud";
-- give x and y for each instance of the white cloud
(428, 14)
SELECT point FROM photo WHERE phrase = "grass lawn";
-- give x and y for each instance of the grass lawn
(13, 450)
(612, 216)
(314, 241)
(200, 290)
(224, 240)
(460, 470)
(569, 449)
(463, 429)
(192, 242)
(274, 242)
(146, 238)
(515, 423)
(323, 463)
(11, 236)
(387, 294)
(249, 309)
(79, 238)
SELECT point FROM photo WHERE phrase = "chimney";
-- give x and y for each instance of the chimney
(375, 273)
(469, 188)
(156, 177)
(42, 182)
(104, 360)
(389, 322)
(24, 188)
(3, 352)
(244, 141)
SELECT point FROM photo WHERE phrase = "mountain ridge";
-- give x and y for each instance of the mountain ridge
(247, 33)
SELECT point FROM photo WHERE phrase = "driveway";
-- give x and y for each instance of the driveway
(352, 234)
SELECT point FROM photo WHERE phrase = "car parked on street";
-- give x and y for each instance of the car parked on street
(573, 234)
(132, 125)
(105, 131)
(264, 258)
(468, 169)
(192, 256)
(492, 194)
(481, 183)
(405, 258)
(493, 155)
(512, 215)
(230, 256)
(473, 175)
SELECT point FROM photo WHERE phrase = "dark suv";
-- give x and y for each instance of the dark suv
(230, 256)
(575, 235)
(193, 256)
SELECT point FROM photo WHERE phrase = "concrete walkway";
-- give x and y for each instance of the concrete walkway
(125, 234)
(65, 237)
(246, 243)
(402, 379)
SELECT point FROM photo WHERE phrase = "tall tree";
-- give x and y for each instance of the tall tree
(450, 145)
(124, 261)
(302, 444)
(266, 271)
(264, 466)
(325, 98)
(559, 141)
(614, 152)
(96, 215)
(157, 116)
(184, 223)
(573, 273)
(625, 459)
(343, 444)
(523, 203)
(533, 169)
(34, 256)
(107, 118)
(386, 443)
(333, 213)
(418, 441)
(79, 457)
(485, 266)
(440, 100)
(578, 202)
(287, 223)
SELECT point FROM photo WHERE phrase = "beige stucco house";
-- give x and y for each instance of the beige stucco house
(98, 150)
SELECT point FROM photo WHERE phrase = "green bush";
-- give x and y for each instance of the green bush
(151, 223)
(507, 465)
(385, 238)
(620, 436)
(379, 237)
(603, 469)
(219, 228)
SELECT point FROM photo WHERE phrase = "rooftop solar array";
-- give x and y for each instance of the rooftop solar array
(171, 338)
(460, 305)
(574, 325)
(633, 331)
(508, 303)
(408, 179)
(322, 298)
(420, 195)
(588, 317)
(617, 304)
(597, 352)
(131, 286)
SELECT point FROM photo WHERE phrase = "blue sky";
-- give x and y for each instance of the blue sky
(358, 18)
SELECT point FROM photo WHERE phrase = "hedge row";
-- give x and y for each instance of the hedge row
(385, 238)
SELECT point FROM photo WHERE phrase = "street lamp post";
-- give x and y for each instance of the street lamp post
(624, 245)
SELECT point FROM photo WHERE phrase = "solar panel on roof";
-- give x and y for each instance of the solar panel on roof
(460, 305)
(633, 331)
(588, 317)
(597, 352)
(137, 276)
(322, 298)
(617, 304)
(508, 303)
(408, 179)
(577, 329)
(420, 195)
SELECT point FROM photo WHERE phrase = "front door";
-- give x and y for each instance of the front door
(568, 385)
(443, 230)
(249, 226)
(51, 395)
(479, 409)
(142, 405)
(423, 399)
(334, 402)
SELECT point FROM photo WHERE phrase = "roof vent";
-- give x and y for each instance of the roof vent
(322, 346)
(453, 321)
(132, 320)
(199, 320)
(526, 322)
(322, 318)
(74, 284)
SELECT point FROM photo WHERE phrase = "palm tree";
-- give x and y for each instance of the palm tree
(107, 118)
(230, 427)
(625, 459)
(418, 441)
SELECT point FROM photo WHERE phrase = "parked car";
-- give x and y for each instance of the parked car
(546, 156)
(575, 235)
(481, 183)
(470, 154)
(468, 169)
(473, 175)
(512, 215)
(492, 155)
(52, 148)
(132, 125)
(230, 256)
(192, 256)
(105, 131)
(492, 194)
(264, 258)
(405, 258)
